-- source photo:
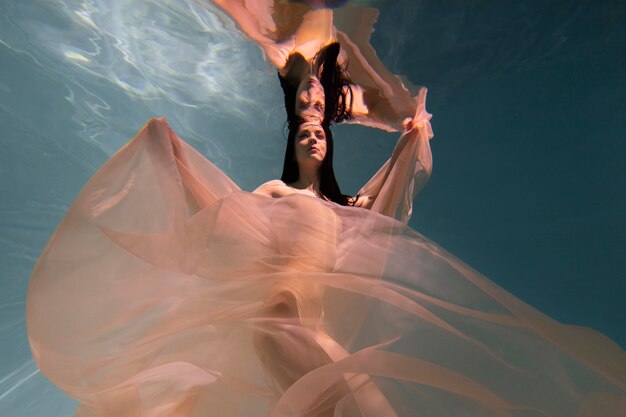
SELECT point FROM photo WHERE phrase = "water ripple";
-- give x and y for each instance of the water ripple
(154, 55)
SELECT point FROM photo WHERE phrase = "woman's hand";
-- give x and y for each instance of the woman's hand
(408, 124)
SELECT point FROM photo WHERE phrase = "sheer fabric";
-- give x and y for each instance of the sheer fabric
(167, 291)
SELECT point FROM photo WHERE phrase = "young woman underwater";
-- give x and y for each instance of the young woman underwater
(294, 341)
(168, 291)
(195, 296)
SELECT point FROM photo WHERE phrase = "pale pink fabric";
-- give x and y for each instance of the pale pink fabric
(167, 291)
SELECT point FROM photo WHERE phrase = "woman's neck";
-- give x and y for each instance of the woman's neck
(308, 179)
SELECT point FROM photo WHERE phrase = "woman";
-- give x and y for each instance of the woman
(300, 344)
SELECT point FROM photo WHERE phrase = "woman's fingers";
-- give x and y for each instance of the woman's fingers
(407, 124)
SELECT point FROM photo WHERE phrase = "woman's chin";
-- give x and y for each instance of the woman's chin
(314, 159)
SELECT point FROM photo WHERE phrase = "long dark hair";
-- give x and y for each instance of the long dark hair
(332, 76)
(328, 183)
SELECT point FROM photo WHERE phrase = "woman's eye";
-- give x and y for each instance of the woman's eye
(318, 105)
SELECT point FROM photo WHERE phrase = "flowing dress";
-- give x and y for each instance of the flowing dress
(167, 291)
(148, 301)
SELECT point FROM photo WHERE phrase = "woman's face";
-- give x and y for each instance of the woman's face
(310, 144)
(310, 100)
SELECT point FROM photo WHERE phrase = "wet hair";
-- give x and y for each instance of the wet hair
(328, 183)
(332, 76)
(336, 83)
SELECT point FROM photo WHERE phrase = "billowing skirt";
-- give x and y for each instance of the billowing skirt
(166, 291)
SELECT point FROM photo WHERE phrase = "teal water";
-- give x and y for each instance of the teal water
(529, 105)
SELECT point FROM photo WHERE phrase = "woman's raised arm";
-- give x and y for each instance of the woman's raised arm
(392, 189)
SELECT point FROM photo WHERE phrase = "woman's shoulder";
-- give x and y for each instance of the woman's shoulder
(273, 188)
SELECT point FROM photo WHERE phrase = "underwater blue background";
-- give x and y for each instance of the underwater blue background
(529, 113)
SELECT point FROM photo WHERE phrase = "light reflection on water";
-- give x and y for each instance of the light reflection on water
(154, 53)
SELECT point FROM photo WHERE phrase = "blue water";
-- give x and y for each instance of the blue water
(529, 104)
